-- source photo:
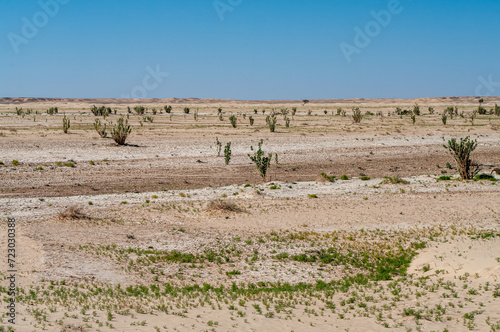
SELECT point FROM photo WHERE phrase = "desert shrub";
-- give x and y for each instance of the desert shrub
(52, 111)
(484, 177)
(148, 118)
(416, 109)
(100, 111)
(219, 111)
(461, 152)
(186, 110)
(287, 121)
(223, 206)
(195, 115)
(481, 110)
(234, 120)
(218, 146)
(305, 101)
(72, 213)
(101, 129)
(227, 153)
(294, 111)
(444, 118)
(154, 110)
(496, 110)
(394, 180)
(329, 178)
(19, 111)
(251, 120)
(271, 122)
(413, 118)
(284, 112)
(444, 178)
(262, 162)
(473, 116)
(356, 115)
(15, 162)
(167, 108)
(339, 111)
(66, 124)
(120, 131)
(431, 110)
(344, 177)
(364, 178)
(140, 110)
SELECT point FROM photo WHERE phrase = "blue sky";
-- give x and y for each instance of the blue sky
(248, 49)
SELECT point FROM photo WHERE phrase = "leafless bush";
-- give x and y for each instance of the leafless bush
(72, 213)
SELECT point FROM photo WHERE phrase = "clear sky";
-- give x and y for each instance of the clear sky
(249, 49)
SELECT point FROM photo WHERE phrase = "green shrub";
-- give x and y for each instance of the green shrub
(329, 178)
(234, 120)
(365, 178)
(444, 178)
(66, 124)
(52, 111)
(356, 115)
(271, 122)
(484, 177)
(121, 131)
(167, 108)
(101, 129)
(394, 180)
(444, 117)
(262, 162)
(100, 111)
(251, 120)
(186, 110)
(461, 152)
(344, 177)
(227, 153)
(15, 162)
(140, 110)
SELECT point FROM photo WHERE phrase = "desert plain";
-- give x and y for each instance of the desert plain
(355, 227)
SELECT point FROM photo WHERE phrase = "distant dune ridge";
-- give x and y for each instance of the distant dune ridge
(377, 101)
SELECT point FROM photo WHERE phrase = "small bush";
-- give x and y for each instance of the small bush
(329, 178)
(444, 178)
(101, 129)
(167, 108)
(312, 196)
(15, 162)
(121, 131)
(72, 213)
(263, 163)
(52, 111)
(444, 118)
(227, 153)
(234, 120)
(356, 115)
(186, 110)
(251, 120)
(140, 110)
(394, 180)
(223, 206)
(66, 124)
(100, 111)
(461, 152)
(271, 122)
(365, 178)
(344, 177)
(484, 177)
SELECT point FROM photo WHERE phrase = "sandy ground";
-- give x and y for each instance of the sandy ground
(143, 203)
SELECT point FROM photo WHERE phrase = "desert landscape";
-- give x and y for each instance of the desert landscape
(229, 215)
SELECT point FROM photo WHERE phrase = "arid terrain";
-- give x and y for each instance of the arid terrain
(356, 226)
